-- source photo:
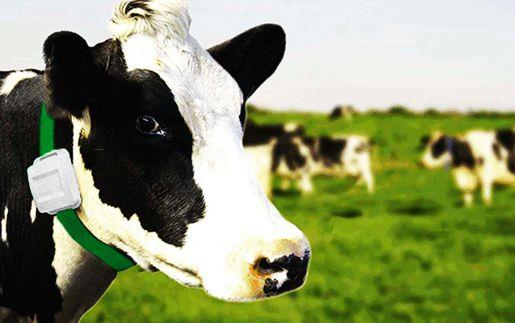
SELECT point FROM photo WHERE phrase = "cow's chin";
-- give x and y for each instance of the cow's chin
(246, 289)
(182, 276)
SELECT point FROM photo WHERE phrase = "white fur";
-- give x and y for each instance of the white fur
(33, 212)
(240, 225)
(3, 226)
(12, 80)
(81, 277)
(356, 160)
(261, 158)
(169, 20)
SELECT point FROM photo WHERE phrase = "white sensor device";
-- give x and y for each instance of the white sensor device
(53, 183)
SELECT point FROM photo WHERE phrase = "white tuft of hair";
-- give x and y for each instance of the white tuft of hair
(161, 18)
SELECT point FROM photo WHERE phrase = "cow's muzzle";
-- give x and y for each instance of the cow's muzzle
(284, 274)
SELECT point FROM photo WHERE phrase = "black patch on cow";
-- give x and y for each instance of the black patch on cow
(150, 177)
(288, 151)
(462, 154)
(138, 4)
(256, 134)
(312, 144)
(336, 113)
(73, 79)
(439, 147)
(506, 138)
(27, 278)
(330, 150)
(252, 57)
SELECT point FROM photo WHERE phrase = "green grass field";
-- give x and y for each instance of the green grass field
(410, 252)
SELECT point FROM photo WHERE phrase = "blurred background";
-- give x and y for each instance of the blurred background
(409, 251)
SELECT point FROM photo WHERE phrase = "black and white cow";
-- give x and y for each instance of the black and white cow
(336, 156)
(297, 158)
(260, 142)
(477, 159)
(154, 124)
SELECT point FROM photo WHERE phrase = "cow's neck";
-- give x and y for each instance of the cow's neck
(81, 277)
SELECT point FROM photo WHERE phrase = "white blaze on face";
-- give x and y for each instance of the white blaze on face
(240, 225)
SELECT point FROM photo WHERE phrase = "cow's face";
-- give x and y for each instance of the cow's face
(158, 150)
(436, 151)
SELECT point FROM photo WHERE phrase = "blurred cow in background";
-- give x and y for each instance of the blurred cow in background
(339, 111)
(478, 158)
(296, 157)
(260, 143)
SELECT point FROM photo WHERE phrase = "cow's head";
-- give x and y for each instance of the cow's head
(437, 150)
(158, 150)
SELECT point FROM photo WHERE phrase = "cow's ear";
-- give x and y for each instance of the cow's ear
(252, 57)
(70, 73)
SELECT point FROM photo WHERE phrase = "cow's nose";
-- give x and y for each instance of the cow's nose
(283, 274)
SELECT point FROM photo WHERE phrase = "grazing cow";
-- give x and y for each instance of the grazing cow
(478, 158)
(260, 142)
(297, 158)
(342, 156)
(154, 126)
(342, 111)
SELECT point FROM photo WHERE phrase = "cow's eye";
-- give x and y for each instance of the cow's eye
(149, 126)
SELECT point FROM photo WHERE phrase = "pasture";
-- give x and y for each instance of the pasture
(410, 252)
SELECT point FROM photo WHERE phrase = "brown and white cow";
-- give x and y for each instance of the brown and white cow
(154, 124)
(477, 159)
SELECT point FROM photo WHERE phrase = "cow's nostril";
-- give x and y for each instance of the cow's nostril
(265, 267)
(296, 270)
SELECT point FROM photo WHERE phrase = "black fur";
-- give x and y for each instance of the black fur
(138, 4)
(262, 134)
(73, 79)
(506, 138)
(330, 150)
(462, 154)
(252, 57)
(27, 279)
(288, 151)
(337, 113)
(439, 147)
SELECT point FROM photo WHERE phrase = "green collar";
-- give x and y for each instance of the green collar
(69, 218)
